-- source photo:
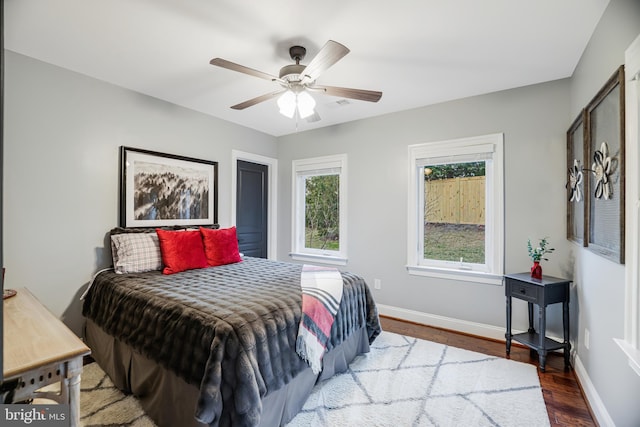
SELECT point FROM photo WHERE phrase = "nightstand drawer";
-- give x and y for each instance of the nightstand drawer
(523, 291)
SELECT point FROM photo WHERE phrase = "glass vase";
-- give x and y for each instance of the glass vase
(536, 270)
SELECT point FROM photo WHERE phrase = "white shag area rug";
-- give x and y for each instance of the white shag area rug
(402, 382)
(102, 404)
(406, 381)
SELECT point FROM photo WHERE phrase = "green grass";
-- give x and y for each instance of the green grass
(445, 242)
(319, 243)
(450, 242)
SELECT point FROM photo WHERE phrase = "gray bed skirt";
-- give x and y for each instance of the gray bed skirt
(171, 402)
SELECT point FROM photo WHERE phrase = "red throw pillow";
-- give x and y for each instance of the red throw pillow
(181, 250)
(220, 246)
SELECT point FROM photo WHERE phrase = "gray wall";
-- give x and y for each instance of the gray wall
(62, 133)
(601, 283)
(534, 121)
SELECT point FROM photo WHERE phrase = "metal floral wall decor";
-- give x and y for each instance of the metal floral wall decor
(601, 169)
(576, 183)
(605, 206)
(595, 172)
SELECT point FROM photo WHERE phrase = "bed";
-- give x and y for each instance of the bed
(216, 346)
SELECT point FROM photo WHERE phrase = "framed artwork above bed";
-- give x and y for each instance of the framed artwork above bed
(158, 189)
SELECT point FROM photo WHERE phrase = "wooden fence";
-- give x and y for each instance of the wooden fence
(455, 200)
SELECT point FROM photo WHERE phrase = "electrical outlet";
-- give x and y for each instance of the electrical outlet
(586, 338)
(377, 284)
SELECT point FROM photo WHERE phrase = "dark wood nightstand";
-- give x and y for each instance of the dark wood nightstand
(541, 292)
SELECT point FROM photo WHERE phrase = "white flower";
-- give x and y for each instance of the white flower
(601, 169)
(575, 179)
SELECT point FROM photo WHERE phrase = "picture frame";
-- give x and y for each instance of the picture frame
(159, 190)
(605, 212)
(577, 185)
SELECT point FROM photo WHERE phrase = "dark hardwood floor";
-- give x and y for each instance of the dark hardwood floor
(562, 393)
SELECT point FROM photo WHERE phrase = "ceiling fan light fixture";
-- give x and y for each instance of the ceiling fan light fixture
(306, 104)
(290, 102)
(287, 104)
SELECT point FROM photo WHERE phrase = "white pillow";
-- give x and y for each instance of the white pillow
(136, 252)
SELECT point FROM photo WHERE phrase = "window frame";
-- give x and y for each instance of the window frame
(302, 168)
(630, 343)
(491, 146)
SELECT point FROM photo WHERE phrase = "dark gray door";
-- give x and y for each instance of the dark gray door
(251, 208)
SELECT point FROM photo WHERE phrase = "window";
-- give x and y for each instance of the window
(456, 209)
(319, 209)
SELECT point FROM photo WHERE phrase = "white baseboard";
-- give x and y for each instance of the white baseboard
(464, 326)
(597, 406)
(473, 328)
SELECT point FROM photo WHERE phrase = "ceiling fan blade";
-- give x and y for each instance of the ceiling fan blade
(344, 92)
(256, 100)
(330, 53)
(219, 62)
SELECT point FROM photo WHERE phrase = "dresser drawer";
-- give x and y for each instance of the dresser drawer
(523, 291)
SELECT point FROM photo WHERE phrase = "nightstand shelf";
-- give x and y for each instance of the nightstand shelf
(532, 340)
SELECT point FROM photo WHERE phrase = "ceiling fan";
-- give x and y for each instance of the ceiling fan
(297, 80)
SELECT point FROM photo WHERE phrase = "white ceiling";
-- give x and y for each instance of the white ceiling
(417, 52)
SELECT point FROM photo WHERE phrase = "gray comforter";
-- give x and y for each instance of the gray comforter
(230, 330)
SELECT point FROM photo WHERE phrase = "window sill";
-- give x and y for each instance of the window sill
(462, 275)
(633, 354)
(322, 259)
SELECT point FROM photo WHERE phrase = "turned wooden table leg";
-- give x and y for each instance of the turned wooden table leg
(74, 369)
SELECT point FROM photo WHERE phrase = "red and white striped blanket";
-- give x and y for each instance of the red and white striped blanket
(321, 296)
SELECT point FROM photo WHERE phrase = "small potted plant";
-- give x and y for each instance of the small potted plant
(537, 254)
